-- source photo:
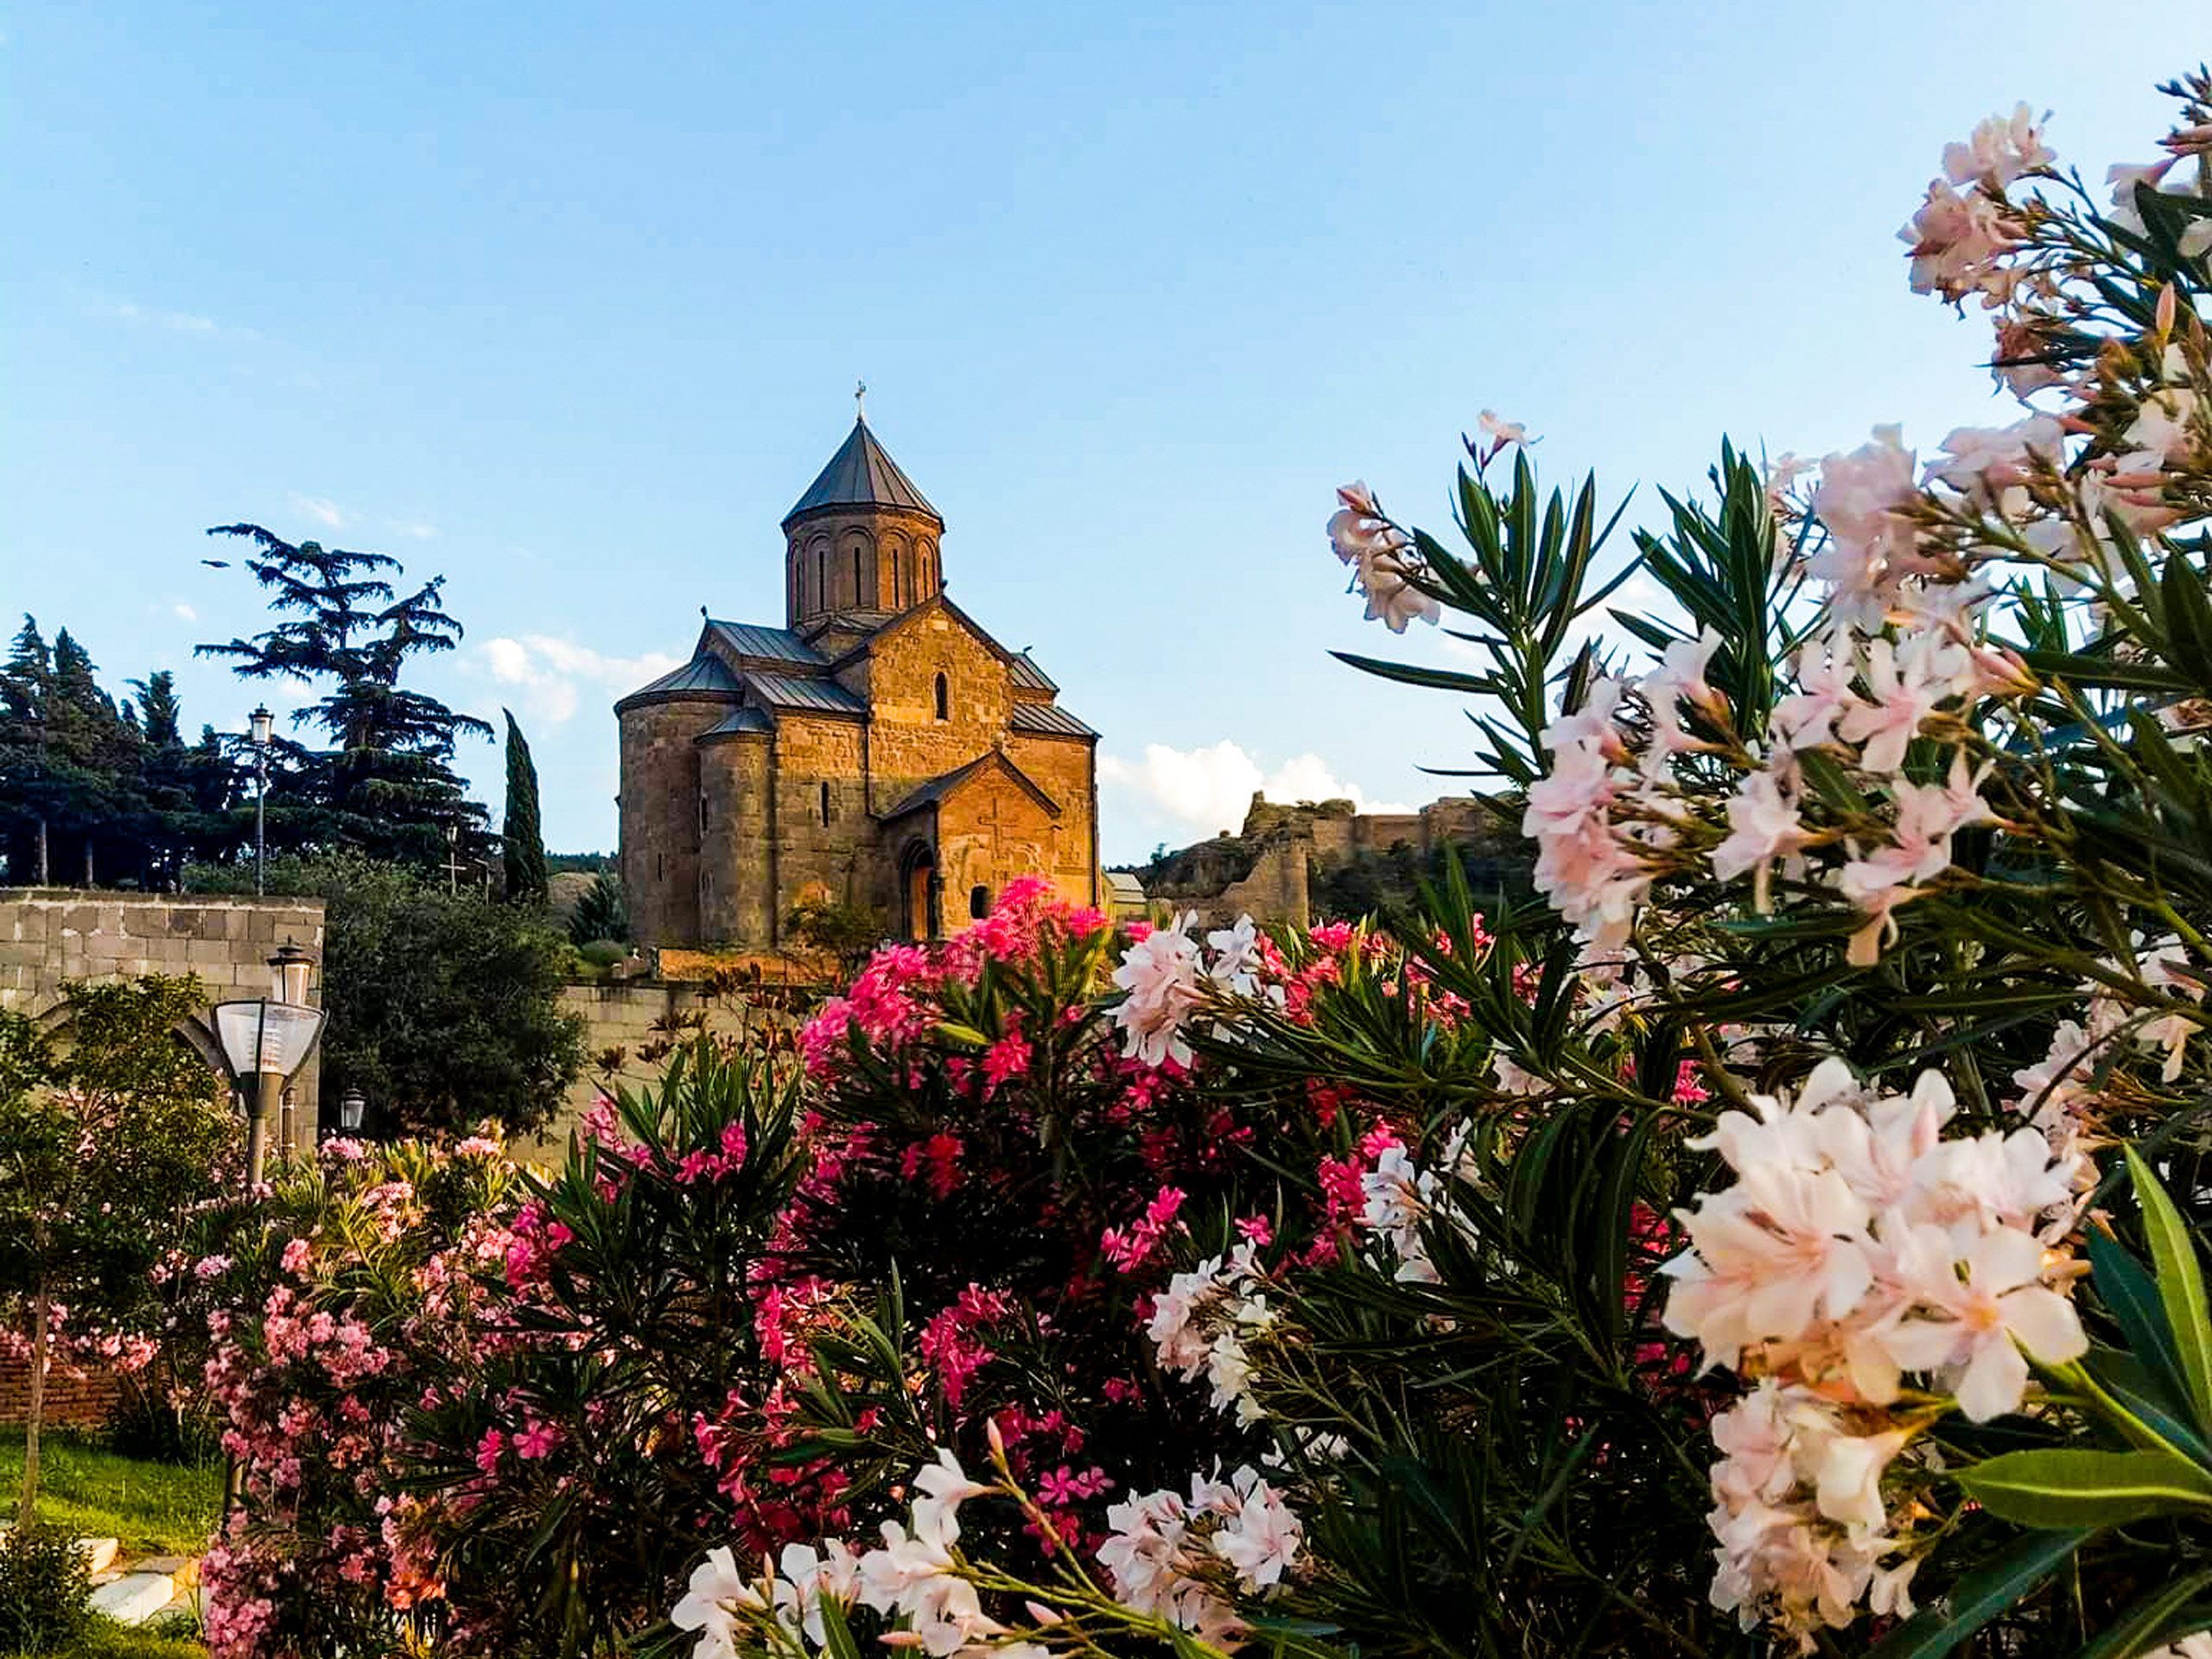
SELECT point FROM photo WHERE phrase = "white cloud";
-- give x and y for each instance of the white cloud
(184, 612)
(420, 531)
(320, 508)
(551, 675)
(1209, 788)
(178, 323)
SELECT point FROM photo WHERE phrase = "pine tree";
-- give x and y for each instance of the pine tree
(524, 846)
(386, 785)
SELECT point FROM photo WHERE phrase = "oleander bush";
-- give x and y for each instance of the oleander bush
(1786, 1235)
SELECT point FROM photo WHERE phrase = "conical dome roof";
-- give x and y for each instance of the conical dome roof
(861, 474)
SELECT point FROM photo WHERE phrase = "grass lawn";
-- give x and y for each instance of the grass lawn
(151, 1509)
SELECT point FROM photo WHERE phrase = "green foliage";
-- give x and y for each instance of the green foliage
(114, 790)
(645, 1315)
(599, 914)
(46, 1586)
(521, 844)
(848, 933)
(445, 1008)
(384, 785)
(149, 1505)
(603, 953)
(106, 1153)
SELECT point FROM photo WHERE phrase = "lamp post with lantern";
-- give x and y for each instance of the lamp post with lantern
(269, 1039)
(261, 720)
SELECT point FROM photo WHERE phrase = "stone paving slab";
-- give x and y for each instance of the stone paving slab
(136, 1597)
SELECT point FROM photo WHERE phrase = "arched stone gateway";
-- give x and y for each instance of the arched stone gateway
(49, 935)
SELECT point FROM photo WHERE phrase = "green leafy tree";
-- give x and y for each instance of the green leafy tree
(385, 784)
(445, 1008)
(519, 836)
(104, 1153)
(101, 790)
(601, 914)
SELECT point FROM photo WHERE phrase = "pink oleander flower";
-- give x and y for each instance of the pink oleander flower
(1160, 973)
(1955, 241)
(1999, 150)
(1869, 546)
(536, 1440)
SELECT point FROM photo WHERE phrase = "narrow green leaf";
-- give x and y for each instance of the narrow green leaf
(2140, 1628)
(2070, 1486)
(2124, 1285)
(2146, 1395)
(837, 1636)
(2181, 1285)
(1979, 1596)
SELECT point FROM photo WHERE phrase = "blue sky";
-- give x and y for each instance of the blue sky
(567, 303)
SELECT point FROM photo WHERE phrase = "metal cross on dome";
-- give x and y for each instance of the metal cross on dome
(860, 401)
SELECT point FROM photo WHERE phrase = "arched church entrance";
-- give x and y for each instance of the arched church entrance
(918, 888)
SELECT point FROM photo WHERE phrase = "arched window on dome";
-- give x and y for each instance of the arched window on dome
(943, 698)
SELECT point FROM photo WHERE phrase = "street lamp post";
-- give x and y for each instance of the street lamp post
(351, 1109)
(260, 718)
(269, 1039)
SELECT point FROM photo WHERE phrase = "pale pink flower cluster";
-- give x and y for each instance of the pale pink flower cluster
(1383, 561)
(1169, 979)
(1856, 1246)
(1174, 1559)
(913, 1575)
(1201, 1322)
(1399, 1196)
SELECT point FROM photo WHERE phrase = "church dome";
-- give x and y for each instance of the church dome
(862, 475)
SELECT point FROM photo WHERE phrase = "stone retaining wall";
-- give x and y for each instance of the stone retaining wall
(50, 934)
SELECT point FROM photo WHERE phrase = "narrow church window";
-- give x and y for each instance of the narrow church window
(860, 594)
(659, 866)
(979, 902)
(825, 802)
(822, 578)
(898, 579)
(703, 813)
(943, 699)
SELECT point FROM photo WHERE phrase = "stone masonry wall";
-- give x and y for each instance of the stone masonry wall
(989, 832)
(1063, 768)
(824, 841)
(632, 1017)
(736, 902)
(660, 816)
(908, 744)
(50, 934)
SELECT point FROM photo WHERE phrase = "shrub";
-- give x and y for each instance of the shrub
(46, 1586)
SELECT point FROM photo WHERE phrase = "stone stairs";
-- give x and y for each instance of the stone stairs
(138, 1589)
(146, 1587)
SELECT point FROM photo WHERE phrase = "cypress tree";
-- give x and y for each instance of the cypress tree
(519, 836)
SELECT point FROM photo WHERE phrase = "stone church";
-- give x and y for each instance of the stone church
(879, 750)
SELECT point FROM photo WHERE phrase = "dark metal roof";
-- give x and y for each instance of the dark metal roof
(1026, 673)
(862, 475)
(816, 696)
(769, 645)
(739, 723)
(702, 676)
(937, 788)
(1047, 718)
